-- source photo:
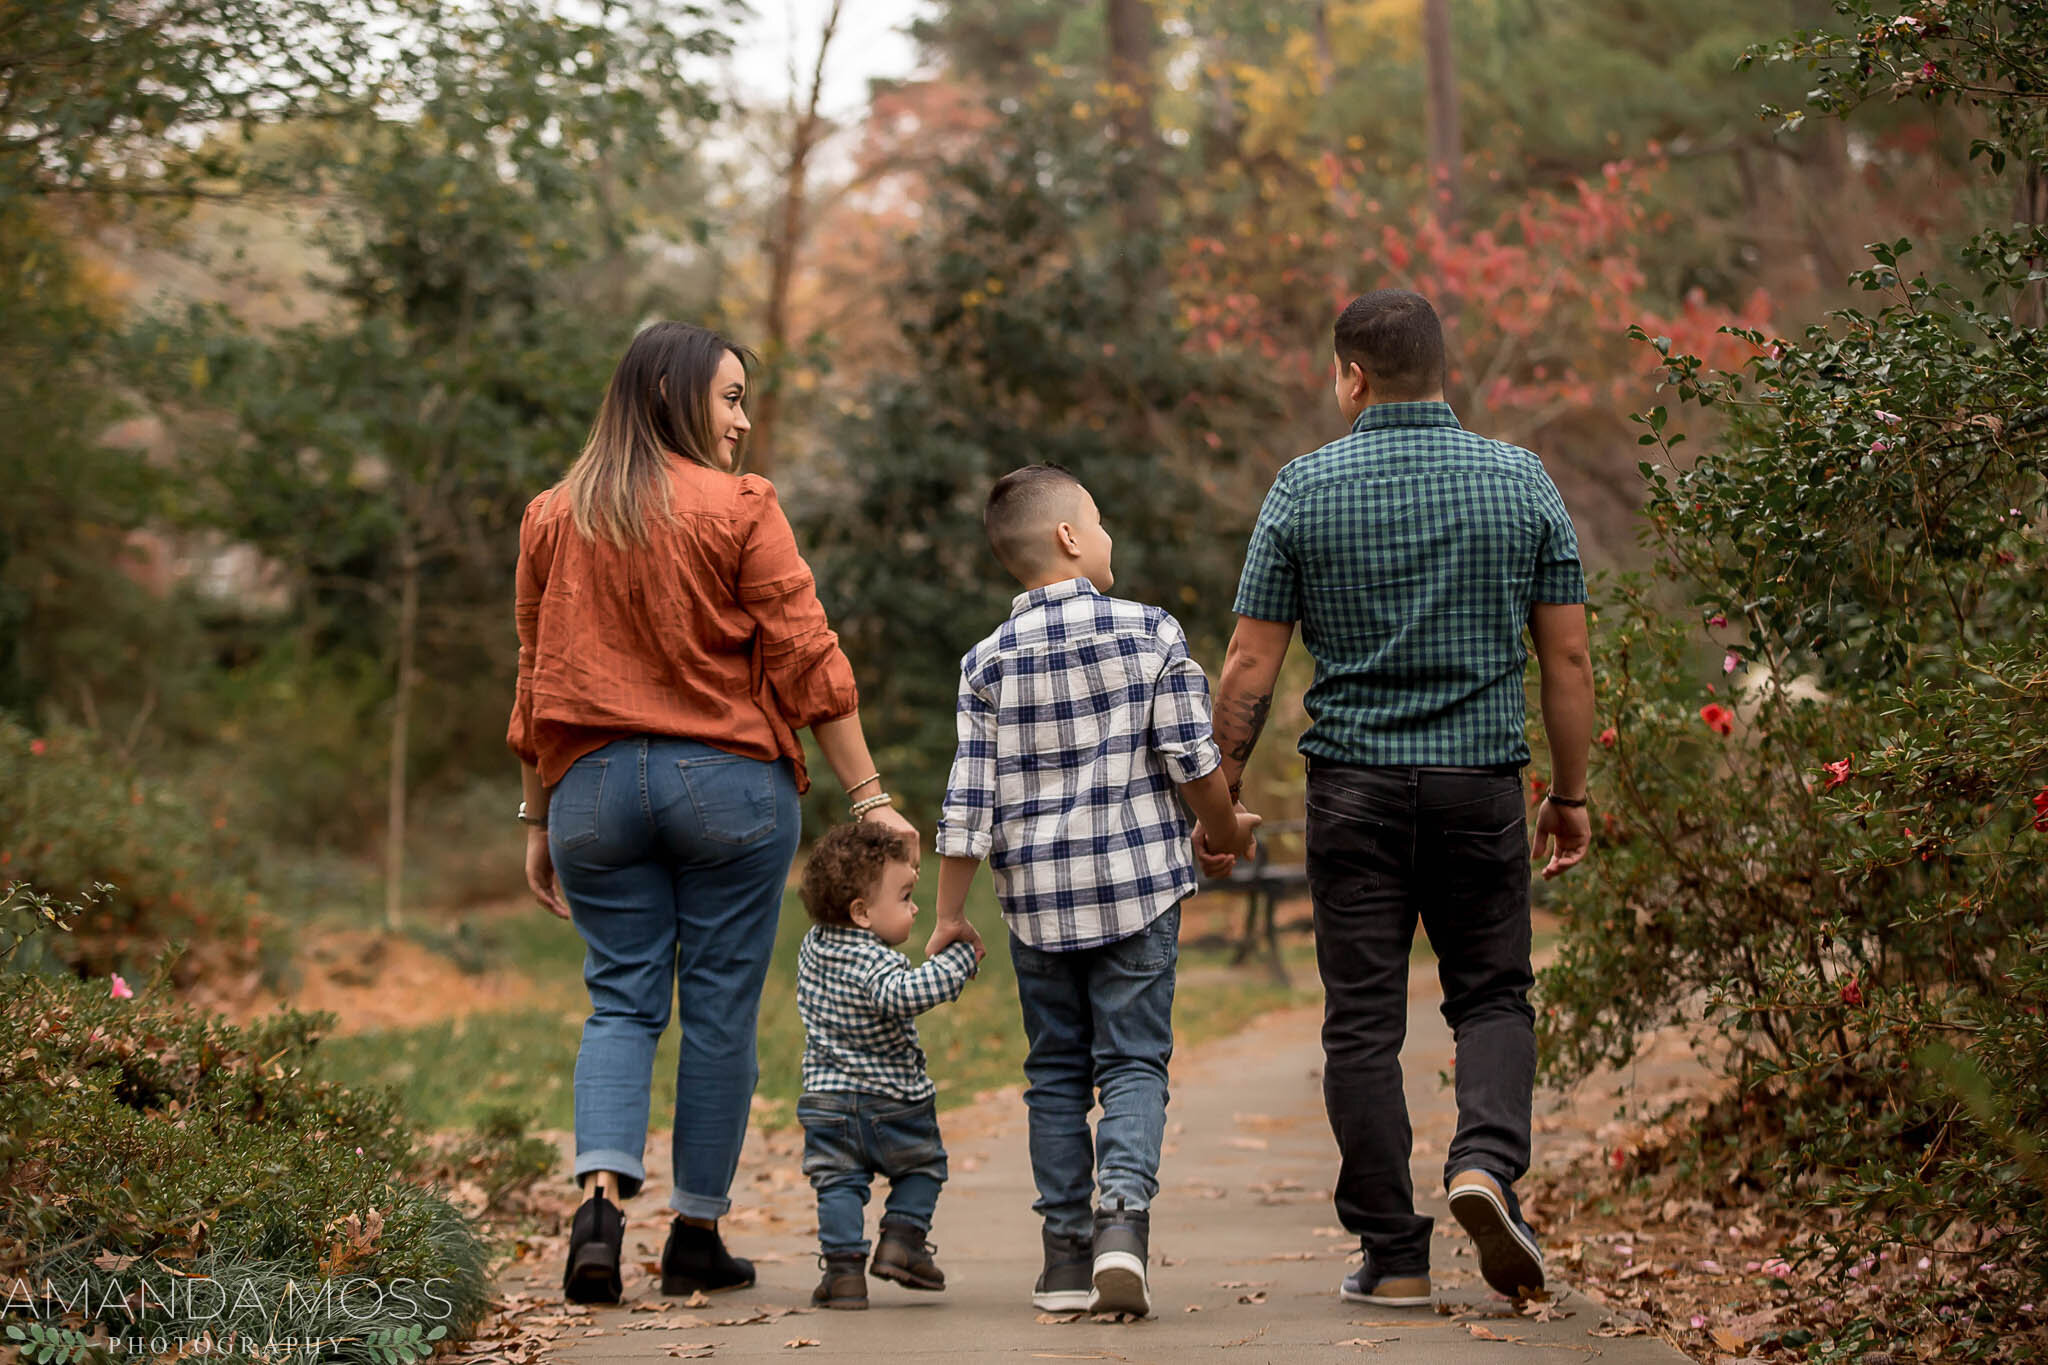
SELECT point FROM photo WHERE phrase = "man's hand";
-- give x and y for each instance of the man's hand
(1236, 840)
(540, 874)
(1567, 830)
(951, 930)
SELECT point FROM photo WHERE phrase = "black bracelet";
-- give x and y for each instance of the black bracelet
(1569, 803)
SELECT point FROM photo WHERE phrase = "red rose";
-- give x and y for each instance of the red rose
(2041, 810)
(1838, 772)
(1607, 738)
(1718, 718)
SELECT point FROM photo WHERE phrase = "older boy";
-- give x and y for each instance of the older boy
(1078, 718)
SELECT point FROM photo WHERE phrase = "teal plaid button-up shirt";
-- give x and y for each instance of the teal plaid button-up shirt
(1410, 552)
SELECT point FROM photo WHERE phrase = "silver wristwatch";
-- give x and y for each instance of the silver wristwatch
(537, 821)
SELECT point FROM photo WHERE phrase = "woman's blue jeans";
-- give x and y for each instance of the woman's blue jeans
(673, 856)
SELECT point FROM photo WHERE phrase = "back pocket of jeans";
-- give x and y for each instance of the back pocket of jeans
(734, 797)
(572, 811)
(1153, 948)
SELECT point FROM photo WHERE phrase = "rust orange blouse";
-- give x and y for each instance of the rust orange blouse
(712, 631)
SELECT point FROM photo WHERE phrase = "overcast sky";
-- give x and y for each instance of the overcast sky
(870, 42)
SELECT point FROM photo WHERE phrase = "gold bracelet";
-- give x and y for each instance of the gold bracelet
(875, 802)
(871, 777)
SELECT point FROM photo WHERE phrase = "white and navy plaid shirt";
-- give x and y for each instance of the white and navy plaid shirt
(857, 996)
(1077, 719)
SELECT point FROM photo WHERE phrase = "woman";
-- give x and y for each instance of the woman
(670, 647)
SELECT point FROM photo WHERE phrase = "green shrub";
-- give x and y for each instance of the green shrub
(73, 817)
(143, 1143)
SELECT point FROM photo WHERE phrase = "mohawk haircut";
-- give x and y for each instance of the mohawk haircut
(1022, 509)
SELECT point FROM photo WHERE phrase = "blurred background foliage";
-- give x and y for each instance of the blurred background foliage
(300, 303)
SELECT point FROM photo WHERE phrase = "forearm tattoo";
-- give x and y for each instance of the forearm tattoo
(1244, 726)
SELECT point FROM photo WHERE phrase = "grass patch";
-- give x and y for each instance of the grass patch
(456, 1073)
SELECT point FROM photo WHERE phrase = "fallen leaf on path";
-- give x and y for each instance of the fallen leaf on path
(1059, 1319)
(1242, 1284)
(1370, 1343)
(1330, 1232)
(648, 1307)
(1293, 1256)
(798, 1343)
(691, 1350)
(1731, 1342)
(1192, 1308)
(1542, 1310)
(749, 1321)
(1173, 1260)
(1257, 1296)
(1618, 1329)
(1485, 1333)
(593, 1331)
(697, 1300)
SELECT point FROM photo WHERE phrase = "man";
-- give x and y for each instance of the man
(1413, 553)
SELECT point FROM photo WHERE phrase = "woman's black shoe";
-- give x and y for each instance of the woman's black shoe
(695, 1262)
(595, 1238)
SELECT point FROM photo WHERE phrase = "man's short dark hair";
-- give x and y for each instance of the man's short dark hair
(1023, 506)
(1394, 336)
(846, 866)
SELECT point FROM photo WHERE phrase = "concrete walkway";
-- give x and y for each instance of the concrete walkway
(1246, 1256)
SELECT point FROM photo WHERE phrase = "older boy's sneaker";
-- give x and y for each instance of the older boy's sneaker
(1367, 1285)
(1121, 1253)
(1509, 1258)
(903, 1255)
(843, 1286)
(1067, 1283)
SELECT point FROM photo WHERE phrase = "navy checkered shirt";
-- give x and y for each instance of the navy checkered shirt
(857, 997)
(1077, 720)
(1410, 551)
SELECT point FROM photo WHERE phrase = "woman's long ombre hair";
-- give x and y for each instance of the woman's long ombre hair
(657, 407)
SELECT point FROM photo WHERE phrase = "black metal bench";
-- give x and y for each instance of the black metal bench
(1264, 883)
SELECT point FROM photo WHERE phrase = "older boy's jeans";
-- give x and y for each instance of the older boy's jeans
(1384, 846)
(849, 1138)
(673, 856)
(1098, 1019)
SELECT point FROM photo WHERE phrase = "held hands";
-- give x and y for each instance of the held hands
(540, 874)
(1568, 830)
(953, 929)
(1217, 852)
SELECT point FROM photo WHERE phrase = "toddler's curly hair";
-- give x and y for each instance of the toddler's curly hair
(846, 865)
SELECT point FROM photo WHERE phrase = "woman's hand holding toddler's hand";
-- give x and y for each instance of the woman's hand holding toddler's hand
(951, 931)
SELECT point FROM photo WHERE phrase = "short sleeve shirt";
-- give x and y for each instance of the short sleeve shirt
(1410, 551)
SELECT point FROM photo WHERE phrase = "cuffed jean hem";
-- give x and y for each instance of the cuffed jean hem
(699, 1205)
(1114, 1192)
(626, 1166)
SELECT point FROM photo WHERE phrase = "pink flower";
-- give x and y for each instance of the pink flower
(1890, 419)
(1928, 71)
(1838, 771)
(1717, 620)
(1698, 1322)
(1778, 1266)
(359, 1151)
(119, 989)
(1879, 446)
(1607, 738)
(38, 747)
(1718, 718)
(1852, 993)
(2041, 810)
(1731, 662)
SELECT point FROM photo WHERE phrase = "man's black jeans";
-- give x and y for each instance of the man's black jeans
(1384, 846)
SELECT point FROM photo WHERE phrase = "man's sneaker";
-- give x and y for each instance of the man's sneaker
(843, 1286)
(695, 1261)
(1367, 1285)
(903, 1255)
(1067, 1284)
(1121, 1252)
(1509, 1258)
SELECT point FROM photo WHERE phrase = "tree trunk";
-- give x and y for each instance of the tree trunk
(785, 243)
(1326, 59)
(2029, 207)
(401, 725)
(1132, 29)
(1444, 141)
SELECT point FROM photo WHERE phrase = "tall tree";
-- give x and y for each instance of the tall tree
(1446, 148)
(784, 242)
